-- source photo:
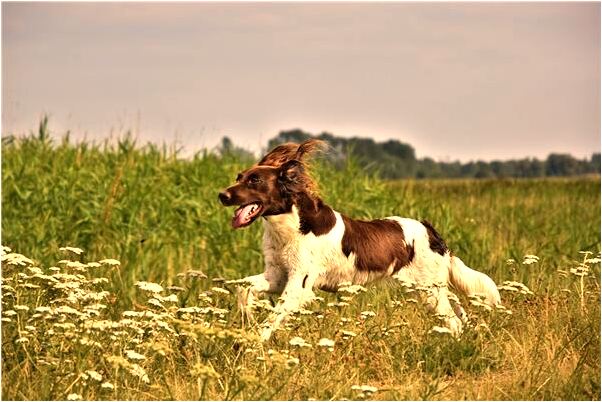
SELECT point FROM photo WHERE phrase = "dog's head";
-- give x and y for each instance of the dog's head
(270, 186)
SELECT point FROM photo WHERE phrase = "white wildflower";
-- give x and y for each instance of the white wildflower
(364, 389)
(7, 289)
(74, 397)
(16, 259)
(64, 325)
(94, 375)
(366, 314)
(132, 314)
(130, 354)
(582, 270)
(9, 313)
(87, 342)
(67, 310)
(352, 289)
(326, 343)
(193, 274)
(514, 286)
(21, 307)
(478, 300)
(503, 309)
(110, 261)
(149, 286)
(348, 334)
(78, 266)
(440, 330)
(220, 290)
(338, 304)
(189, 310)
(74, 250)
(155, 302)
(171, 298)
(35, 270)
(530, 259)
(107, 386)
(298, 341)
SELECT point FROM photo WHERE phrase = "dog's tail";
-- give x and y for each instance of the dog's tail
(472, 282)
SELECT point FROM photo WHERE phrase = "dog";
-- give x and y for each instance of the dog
(307, 245)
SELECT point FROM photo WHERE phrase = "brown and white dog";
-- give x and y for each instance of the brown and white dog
(307, 245)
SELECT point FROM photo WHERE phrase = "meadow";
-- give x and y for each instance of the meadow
(116, 261)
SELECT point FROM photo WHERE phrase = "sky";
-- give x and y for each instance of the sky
(458, 81)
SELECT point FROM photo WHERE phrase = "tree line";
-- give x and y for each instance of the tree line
(393, 159)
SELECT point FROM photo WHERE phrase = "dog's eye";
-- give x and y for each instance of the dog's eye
(254, 179)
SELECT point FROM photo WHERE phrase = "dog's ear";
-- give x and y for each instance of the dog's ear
(289, 151)
(310, 147)
(291, 175)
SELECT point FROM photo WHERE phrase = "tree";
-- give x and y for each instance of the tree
(561, 165)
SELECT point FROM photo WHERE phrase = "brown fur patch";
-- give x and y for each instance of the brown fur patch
(314, 215)
(289, 151)
(435, 240)
(376, 244)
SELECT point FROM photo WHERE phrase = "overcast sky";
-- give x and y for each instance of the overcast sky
(455, 80)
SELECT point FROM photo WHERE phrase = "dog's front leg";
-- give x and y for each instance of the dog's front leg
(297, 292)
(271, 281)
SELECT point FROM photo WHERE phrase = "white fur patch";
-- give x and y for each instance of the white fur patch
(295, 264)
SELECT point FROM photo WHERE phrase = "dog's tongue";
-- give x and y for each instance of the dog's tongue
(243, 215)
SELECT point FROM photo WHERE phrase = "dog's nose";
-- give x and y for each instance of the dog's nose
(225, 197)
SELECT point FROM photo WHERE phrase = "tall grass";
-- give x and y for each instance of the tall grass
(159, 216)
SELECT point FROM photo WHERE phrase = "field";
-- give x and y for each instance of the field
(145, 311)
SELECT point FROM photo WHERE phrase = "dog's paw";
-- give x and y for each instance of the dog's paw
(266, 334)
(455, 325)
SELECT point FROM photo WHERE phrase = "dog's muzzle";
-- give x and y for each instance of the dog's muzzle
(225, 197)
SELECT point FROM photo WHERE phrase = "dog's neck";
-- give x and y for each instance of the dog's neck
(309, 214)
(283, 227)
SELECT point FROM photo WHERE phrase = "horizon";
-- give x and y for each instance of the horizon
(456, 81)
(185, 152)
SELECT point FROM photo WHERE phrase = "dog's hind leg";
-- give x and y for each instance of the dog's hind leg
(437, 298)
(438, 301)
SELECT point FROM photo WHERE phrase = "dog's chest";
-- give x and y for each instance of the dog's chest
(286, 248)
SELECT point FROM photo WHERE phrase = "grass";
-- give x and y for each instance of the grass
(70, 325)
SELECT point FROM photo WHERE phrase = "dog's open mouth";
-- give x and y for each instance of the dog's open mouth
(246, 214)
